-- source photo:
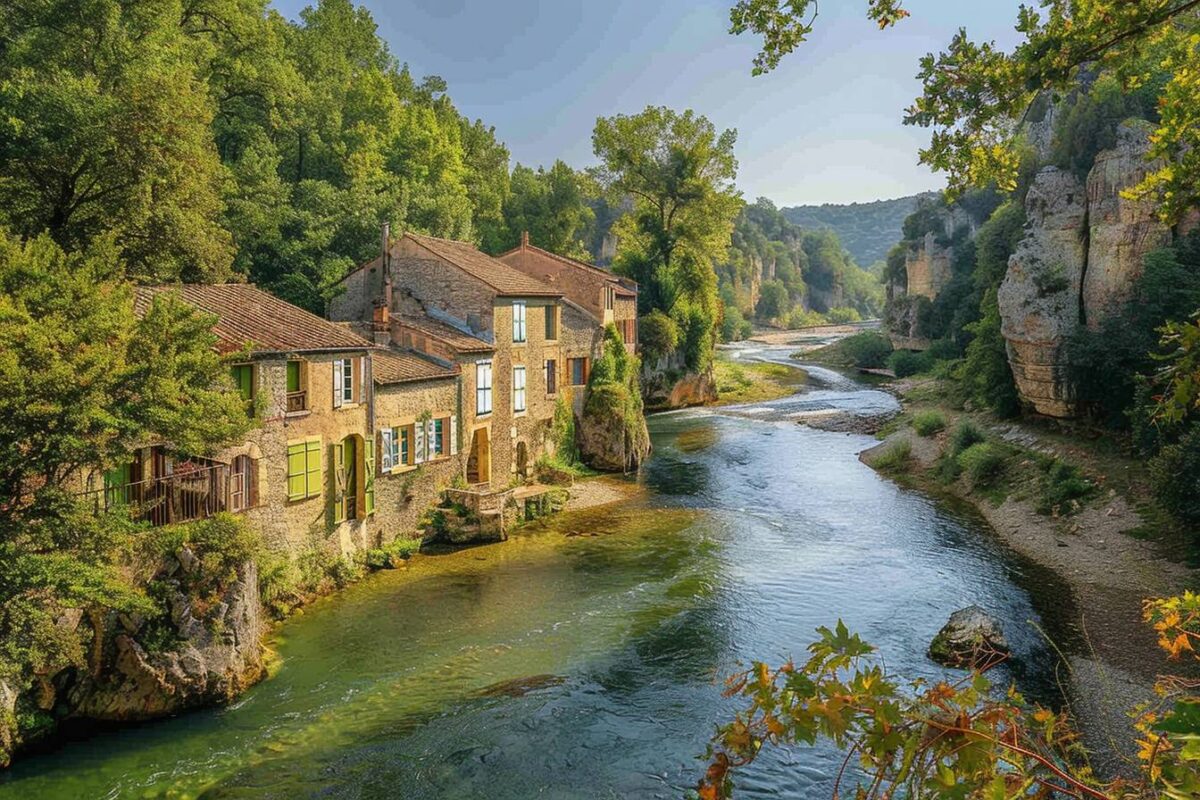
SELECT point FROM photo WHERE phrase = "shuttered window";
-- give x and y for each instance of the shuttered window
(518, 315)
(304, 469)
(483, 387)
(551, 376)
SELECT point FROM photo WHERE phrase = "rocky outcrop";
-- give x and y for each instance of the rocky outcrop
(667, 384)
(971, 639)
(1083, 250)
(1121, 230)
(1039, 297)
(216, 653)
(612, 434)
(928, 266)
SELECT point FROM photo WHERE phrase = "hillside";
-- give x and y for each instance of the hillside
(867, 230)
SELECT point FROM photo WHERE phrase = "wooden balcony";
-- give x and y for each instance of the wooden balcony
(297, 402)
(194, 490)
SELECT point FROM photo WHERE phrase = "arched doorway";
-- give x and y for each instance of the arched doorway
(522, 461)
(479, 463)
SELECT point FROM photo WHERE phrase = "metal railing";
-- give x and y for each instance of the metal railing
(297, 401)
(193, 491)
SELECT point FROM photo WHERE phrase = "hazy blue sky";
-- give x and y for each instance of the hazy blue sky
(824, 127)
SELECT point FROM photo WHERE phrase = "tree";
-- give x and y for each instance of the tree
(84, 381)
(974, 92)
(772, 301)
(107, 127)
(679, 172)
(552, 207)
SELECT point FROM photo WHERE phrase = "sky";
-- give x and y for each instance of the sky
(825, 127)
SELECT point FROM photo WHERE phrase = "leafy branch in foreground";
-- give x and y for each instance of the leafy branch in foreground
(960, 741)
(976, 95)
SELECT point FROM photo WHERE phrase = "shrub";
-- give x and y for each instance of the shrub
(803, 318)
(1175, 476)
(867, 349)
(398, 550)
(982, 463)
(927, 423)
(965, 434)
(895, 456)
(843, 315)
(735, 327)
(907, 362)
(1062, 487)
(986, 375)
(658, 335)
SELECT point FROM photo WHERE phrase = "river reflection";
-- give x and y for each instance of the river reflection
(584, 658)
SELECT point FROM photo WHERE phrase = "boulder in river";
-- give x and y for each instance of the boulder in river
(972, 639)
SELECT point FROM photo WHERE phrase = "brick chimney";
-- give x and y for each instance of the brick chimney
(382, 305)
(524, 240)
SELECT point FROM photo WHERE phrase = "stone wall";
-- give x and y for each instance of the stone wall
(403, 495)
(532, 426)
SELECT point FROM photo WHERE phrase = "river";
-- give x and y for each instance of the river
(584, 657)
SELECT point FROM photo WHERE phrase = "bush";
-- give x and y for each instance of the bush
(908, 362)
(1062, 487)
(982, 463)
(867, 349)
(928, 423)
(895, 457)
(387, 556)
(843, 315)
(803, 318)
(965, 434)
(735, 327)
(658, 335)
(986, 374)
(1175, 476)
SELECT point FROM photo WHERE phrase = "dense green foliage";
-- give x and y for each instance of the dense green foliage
(679, 172)
(927, 423)
(796, 273)
(614, 398)
(220, 139)
(553, 206)
(866, 349)
(83, 381)
(866, 230)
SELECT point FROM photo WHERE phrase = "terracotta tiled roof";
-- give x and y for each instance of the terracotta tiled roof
(496, 274)
(249, 316)
(459, 340)
(392, 366)
(621, 289)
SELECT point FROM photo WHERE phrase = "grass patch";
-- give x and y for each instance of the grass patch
(1062, 488)
(391, 555)
(895, 456)
(927, 423)
(983, 464)
(755, 381)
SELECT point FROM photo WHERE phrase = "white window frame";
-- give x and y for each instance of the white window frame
(483, 388)
(347, 385)
(519, 317)
(387, 441)
(520, 400)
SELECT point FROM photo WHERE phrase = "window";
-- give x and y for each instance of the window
(406, 445)
(437, 438)
(579, 371)
(343, 382)
(518, 388)
(610, 296)
(304, 469)
(297, 398)
(243, 380)
(551, 323)
(518, 314)
(483, 387)
(387, 449)
(243, 484)
(551, 376)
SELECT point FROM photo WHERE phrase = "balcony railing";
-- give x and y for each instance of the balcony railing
(193, 491)
(297, 401)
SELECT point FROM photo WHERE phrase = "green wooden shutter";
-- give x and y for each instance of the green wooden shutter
(313, 468)
(297, 487)
(337, 464)
(293, 376)
(369, 469)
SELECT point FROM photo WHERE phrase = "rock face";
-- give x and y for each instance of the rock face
(667, 384)
(1039, 297)
(972, 639)
(1084, 248)
(1122, 231)
(218, 655)
(610, 438)
(928, 267)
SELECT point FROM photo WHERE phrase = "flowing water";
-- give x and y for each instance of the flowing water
(584, 658)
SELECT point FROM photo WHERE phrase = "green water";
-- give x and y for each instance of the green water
(582, 659)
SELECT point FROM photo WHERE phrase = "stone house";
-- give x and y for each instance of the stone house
(500, 326)
(305, 475)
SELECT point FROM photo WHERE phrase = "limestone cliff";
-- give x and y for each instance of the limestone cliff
(1039, 297)
(668, 384)
(1083, 250)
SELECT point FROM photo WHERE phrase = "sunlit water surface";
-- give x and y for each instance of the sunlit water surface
(584, 659)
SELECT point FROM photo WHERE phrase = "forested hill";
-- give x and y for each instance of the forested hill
(866, 230)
